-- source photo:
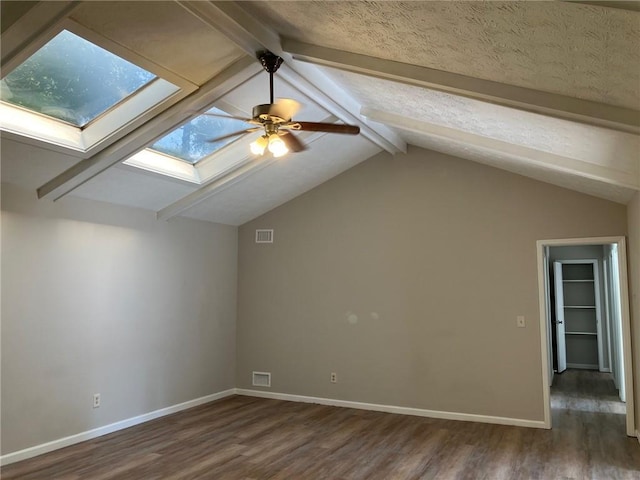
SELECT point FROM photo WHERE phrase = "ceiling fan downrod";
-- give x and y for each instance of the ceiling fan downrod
(270, 62)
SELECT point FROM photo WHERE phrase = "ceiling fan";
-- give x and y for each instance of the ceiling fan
(275, 118)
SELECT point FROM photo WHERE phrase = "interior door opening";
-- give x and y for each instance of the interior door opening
(585, 324)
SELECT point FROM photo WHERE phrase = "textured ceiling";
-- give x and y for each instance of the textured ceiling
(588, 52)
(562, 137)
(584, 51)
(532, 170)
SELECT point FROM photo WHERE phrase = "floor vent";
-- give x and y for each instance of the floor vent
(264, 236)
(261, 379)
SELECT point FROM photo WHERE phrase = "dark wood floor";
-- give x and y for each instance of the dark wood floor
(248, 438)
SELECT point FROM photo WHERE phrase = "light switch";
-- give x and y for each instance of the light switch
(520, 321)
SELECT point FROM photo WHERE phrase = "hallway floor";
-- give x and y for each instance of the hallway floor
(588, 424)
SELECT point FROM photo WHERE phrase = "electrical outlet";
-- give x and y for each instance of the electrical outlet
(520, 321)
(96, 400)
(334, 377)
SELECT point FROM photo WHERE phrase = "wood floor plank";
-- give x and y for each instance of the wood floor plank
(245, 438)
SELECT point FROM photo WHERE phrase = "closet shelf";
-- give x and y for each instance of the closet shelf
(578, 308)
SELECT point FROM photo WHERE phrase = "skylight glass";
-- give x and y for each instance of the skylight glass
(72, 80)
(190, 141)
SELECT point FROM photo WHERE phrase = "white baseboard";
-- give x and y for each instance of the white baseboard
(130, 422)
(467, 417)
(113, 427)
(583, 366)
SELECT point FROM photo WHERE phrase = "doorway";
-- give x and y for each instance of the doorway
(610, 335)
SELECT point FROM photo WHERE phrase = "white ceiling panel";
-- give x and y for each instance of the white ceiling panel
(125, 186)
(283, 180)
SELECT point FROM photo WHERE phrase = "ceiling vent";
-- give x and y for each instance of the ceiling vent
(261, 379)
(264, 236)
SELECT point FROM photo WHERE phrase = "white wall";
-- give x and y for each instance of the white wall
(104, 299)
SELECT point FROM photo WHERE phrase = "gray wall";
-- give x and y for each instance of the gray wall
(104, 299)
(436, 256)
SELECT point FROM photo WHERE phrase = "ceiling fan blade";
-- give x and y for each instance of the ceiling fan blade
(234, 134)
(325, 127)
(284, 108)
(292, 142)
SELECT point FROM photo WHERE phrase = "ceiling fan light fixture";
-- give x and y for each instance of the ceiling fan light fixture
(258, 146)
(276, 120)
(277, 146)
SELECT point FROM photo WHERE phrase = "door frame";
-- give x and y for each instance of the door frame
(545, 348)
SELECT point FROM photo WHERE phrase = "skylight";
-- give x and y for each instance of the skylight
(79, 95)
(190, 141)
(186, 153)
(73, 80)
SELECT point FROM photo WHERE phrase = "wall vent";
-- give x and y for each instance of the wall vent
(261, 379)
(264, 236)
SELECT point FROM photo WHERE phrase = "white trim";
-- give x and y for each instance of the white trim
(113, 427)
(626, 321)
(626, 334)
(163, 164)
(146, 417)
(544, 337)
(638, 435)
(419, 412)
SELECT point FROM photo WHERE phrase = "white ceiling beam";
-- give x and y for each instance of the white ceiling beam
(251, 35)
(235, 75)
(561, 106)
(29, 32)
(624, 178)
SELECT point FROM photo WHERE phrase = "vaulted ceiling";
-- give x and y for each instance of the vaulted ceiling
(550, 90)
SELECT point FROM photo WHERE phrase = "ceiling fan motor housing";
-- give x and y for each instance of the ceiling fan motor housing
(263, 114)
